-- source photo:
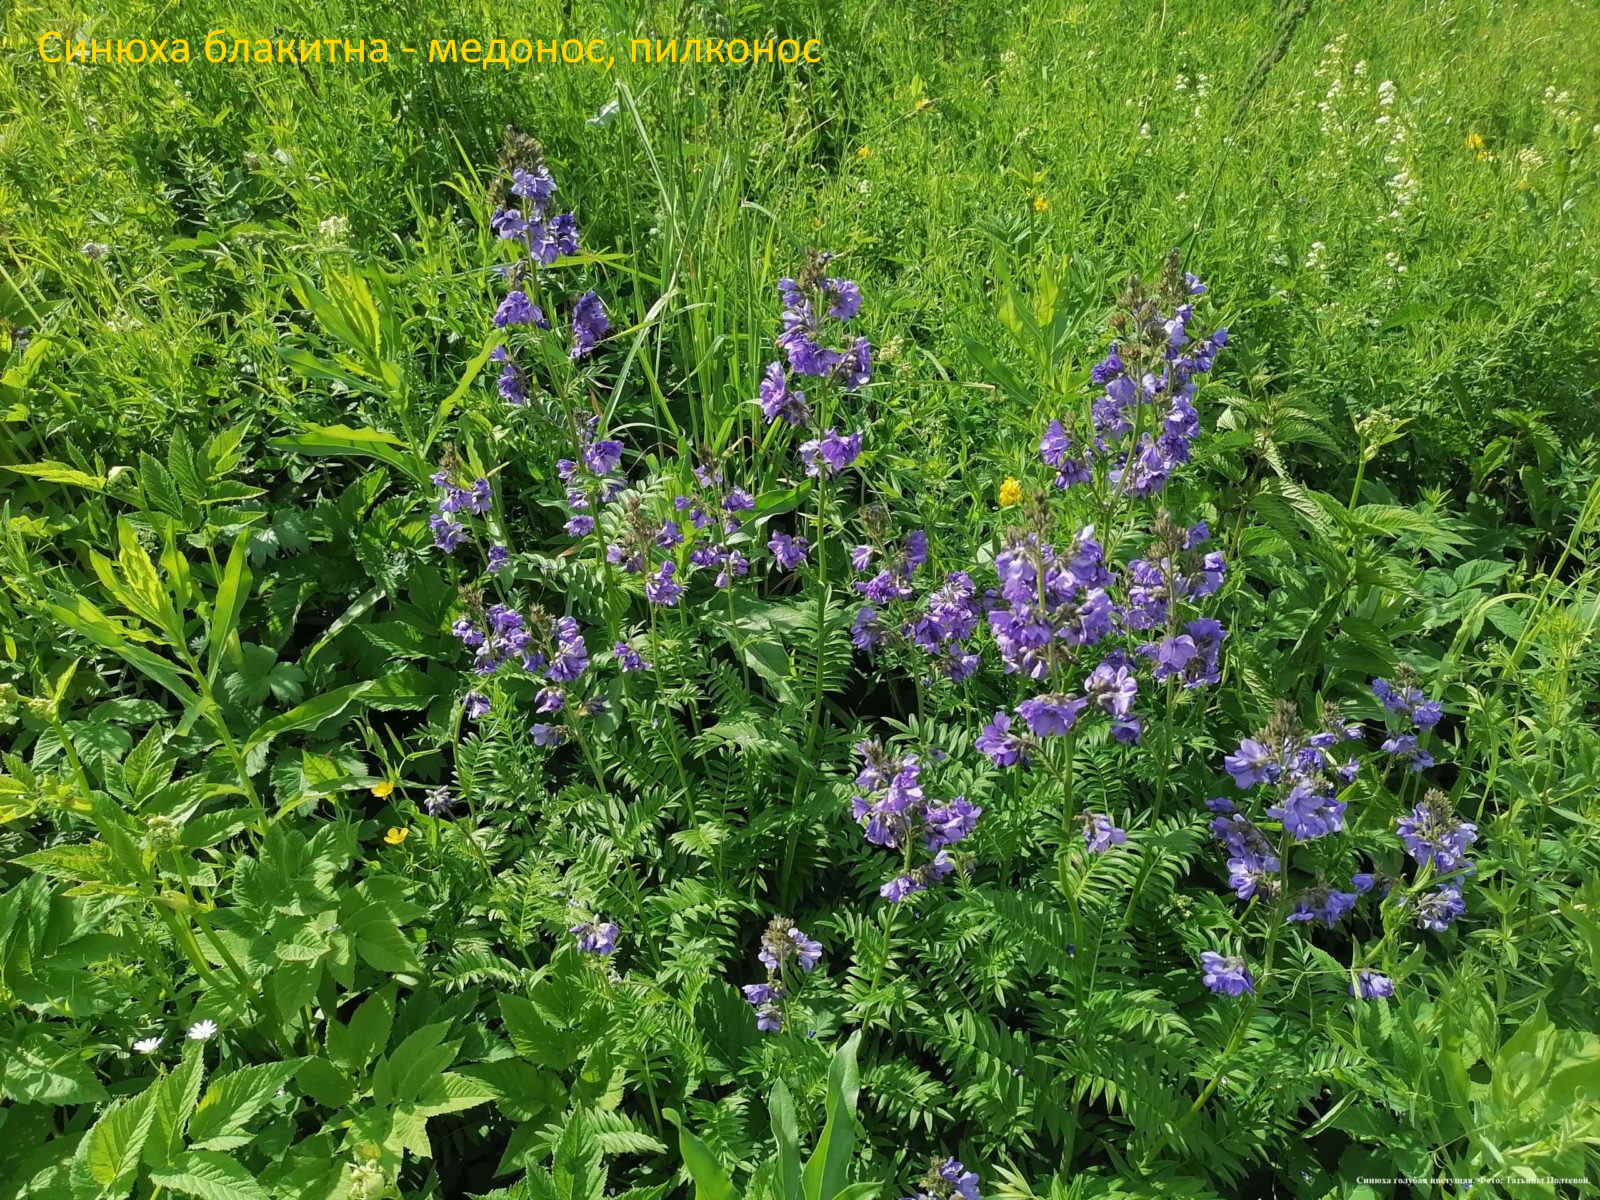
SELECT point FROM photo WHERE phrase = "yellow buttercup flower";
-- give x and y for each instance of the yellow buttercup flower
(383, 788)
(394, 836)
(1041, 204)
(923, 105)
(1010, 492)
(864, 152)
(1474, 141)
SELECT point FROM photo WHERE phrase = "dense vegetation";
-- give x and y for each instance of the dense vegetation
(1010, 613)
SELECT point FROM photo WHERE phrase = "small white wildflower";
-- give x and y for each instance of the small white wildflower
(1144, 130)
(1386, 93)
(1314, 256)
(282, 157)
(333, 229)
(202, 1031)
(147, 1045)
(1395, 265)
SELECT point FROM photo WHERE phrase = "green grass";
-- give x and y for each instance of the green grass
(957, 153)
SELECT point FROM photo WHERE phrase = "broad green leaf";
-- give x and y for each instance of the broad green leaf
(57, 472)
(39, 1071)
(79, 614)
(110, 1150)
(449, 1092)
(422, 1056)
(173, 1098)
(325, 1083)
(209, 1176)
(711, 1179)
(786, 1133)
(232, 1100)
(355, 1045)
(232, 592)
(468, 374)
(308, 715)
(824, 1176)
(535, 1033)
(338, 441)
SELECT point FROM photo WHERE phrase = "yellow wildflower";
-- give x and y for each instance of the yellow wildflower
(1010, 492)
(1041, 204)
(864, 152)
(383, 788)
(394, 836)
(1475, 141)
(923, 105)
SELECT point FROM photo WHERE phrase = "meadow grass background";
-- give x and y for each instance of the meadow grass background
(1394, 204)
(1366, 253)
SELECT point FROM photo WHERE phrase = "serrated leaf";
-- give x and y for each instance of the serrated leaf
(110, 1150)
(232, 1100)
(209, 1176)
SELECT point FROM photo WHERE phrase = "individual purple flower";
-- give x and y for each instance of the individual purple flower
(1099, 834)
(845, 297)
(1432, 835)
(861, 557)
(1438, 910)
(738, 500)
(734, 565)
(589, 324)
(790, 552)
(498, 557)
(513, 385)
(628, 659)
(447, 532)
(1055, 443)
(779, 400)
(1404, 747)
(1051, 715)
(866, 631)
(1325, 906)
(901, 886)
(1370, 985)
(476, 706)
(595, 937)
(950, 823)
(1054, 448)
(517, 309)
(766, 999)
(438, 802)
(537, 185)
(1113, 687)
(602, 457)
(1225, 975)
(1309, 811)
(1251, 764)
(580, 525)
(831, 453)
(508, 223)
(662, 589)
(854, 368)
(549, 735)
(783, 942)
